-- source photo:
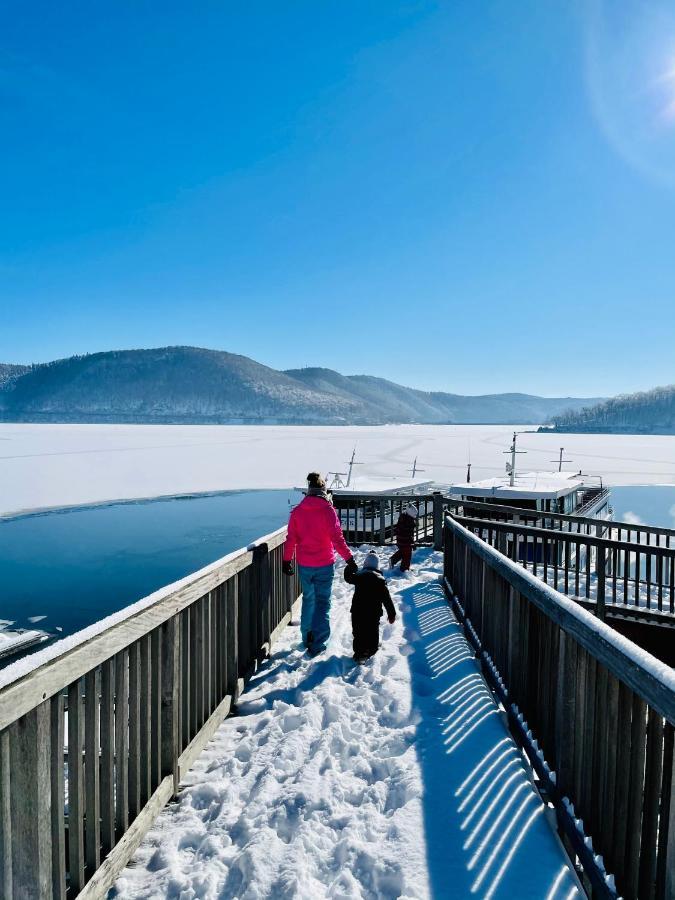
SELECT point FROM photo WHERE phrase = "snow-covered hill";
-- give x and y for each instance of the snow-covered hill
(193, 385)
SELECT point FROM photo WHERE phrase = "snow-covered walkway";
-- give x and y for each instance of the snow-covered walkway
(394, 779)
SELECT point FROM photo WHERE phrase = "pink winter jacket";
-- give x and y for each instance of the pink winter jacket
(314, 534)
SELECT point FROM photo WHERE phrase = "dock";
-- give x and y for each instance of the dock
(538, 606)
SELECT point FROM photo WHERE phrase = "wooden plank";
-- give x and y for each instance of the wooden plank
(566, 689)
(106, 875)
(623, 738)
(186, 668)
(30, 804)
(156, 709)
(171, 700)
(195, 700)
(665, 873)
(121, 742)
(609, 788)
(145, 713)
(92, 772)
(107, 756)
(76, 799)
(231, 636)
(203, 736)
(134, 731)
(5, 817)
(638, 744)
(651, 806)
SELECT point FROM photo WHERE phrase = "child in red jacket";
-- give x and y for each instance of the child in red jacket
(404, 531)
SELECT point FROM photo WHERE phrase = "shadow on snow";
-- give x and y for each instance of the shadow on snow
(485, 828)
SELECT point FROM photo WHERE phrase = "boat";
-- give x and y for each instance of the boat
(13, 642)
(568, 493)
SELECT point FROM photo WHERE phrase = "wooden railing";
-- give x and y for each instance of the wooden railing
(594, 713)
(371, 517)
(625, 574)
(94, 740)
(627, 531)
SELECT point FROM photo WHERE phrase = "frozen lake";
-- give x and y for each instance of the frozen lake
(70, 568)
(60, 465)
(62, 571)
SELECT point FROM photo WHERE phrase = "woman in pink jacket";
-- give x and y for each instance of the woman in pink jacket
(314, 534)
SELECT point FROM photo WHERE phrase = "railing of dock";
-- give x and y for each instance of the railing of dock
(594, 713)
(606, 571)
(95, 740)
(370, 518)
(625, 566)
(621, 531)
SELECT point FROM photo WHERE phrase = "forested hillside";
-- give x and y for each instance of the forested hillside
(192, 385)
(649, 412)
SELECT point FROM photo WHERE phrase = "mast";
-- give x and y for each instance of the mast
(512, 467)
(414, 469)
(352, 463)
(560, 461)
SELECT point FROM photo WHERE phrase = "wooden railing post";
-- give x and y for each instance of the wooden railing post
(383, 521)
(5, 818)
(30, 805)
(261, 599)
(667, 824)
(171, 700)
(438, 520)
(232, 636)
(600, 563)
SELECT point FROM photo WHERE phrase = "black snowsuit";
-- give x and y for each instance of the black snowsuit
(370, 596)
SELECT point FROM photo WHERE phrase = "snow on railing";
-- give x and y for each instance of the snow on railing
(594, 712)
(131, 701)
(632, 577)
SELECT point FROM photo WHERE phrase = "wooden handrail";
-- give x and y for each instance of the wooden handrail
(643, 673)
(573, 537)
(146, 691)
(594, 713)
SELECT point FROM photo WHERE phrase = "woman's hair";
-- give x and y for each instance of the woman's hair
(316, 480)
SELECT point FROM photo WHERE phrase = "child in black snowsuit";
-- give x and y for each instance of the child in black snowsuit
(404, 531)
(370, 596)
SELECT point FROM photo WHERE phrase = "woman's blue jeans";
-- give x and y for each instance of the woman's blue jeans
(317, 583)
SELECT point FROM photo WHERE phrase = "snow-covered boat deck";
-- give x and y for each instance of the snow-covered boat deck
(394, 779)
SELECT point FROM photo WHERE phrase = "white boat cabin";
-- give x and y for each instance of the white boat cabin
(555, 492)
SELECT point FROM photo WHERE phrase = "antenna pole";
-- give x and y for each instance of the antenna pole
(513, 461)
(351, 466)
(468, 473)
(562, 449)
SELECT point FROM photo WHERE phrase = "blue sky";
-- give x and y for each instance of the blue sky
(468, 196)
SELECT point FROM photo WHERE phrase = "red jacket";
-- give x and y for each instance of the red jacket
(405, 530)
(314, 534)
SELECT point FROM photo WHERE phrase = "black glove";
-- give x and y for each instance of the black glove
(350, 565)
(287, 567)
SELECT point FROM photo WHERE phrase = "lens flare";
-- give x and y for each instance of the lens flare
(630, 72)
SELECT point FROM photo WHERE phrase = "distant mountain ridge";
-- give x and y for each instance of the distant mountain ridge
(647, 412)
(194, 385)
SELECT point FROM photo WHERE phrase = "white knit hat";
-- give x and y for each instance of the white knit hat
(411, 511)
(371, 561)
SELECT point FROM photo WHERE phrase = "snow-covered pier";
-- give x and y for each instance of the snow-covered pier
(503, 742)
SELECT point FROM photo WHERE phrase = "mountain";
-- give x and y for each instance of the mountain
(192, 385)
(649, 412)
(402, 404)
(9, 372)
